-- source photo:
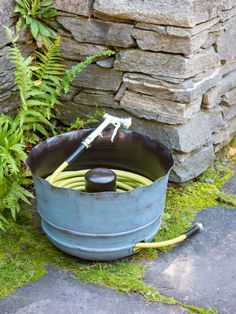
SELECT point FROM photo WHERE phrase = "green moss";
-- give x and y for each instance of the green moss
(228, 199)
(218, 172)
(25, 250)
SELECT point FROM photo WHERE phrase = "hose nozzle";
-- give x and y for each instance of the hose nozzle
(108, 119)
(123, 122)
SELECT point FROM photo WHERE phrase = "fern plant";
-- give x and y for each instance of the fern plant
(12, 171)
(40, 84)
(34, 108)
(39, 16)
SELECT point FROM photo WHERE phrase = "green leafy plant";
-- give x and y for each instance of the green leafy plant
(40, 84)
(12, 172)
(38, 16)
(90, 120)
(34, 113)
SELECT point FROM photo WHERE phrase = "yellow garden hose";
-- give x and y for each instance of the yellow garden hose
(126, 181)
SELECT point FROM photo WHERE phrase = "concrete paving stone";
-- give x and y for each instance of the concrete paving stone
(202, 270)
(58, 293)
(230, 186)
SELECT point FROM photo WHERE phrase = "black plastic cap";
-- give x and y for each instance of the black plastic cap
(100, 180)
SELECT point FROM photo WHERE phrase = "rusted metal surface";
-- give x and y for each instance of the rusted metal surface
(101, 226)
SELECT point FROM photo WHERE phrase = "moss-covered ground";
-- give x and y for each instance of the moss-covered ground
(25, 251)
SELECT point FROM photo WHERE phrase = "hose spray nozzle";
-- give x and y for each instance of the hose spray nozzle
(108, 119)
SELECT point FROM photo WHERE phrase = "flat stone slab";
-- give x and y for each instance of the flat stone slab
(202, 270)
(230, 186)
(58, 293)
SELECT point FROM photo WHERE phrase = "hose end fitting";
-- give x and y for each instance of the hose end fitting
(193, 230)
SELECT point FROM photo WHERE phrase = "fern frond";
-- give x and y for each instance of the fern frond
(49, 66)
(23, 73)
(12, 153)
(71, 73)
(12, 196)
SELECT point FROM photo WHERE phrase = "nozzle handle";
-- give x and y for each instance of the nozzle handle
(108, 119)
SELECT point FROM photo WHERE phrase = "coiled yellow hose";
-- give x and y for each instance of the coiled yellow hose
(126, 180)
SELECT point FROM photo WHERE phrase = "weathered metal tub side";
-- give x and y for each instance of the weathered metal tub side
(101, 226)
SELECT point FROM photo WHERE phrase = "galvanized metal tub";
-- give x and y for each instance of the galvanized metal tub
(101, 226)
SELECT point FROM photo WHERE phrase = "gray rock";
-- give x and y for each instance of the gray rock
(69, 111)
(188, 166)
(73, 50)
(25, 37)
(210, 41)
(120, 92)
(211, 98)
(154, 41)
(96, 98)
(80, 7)
(179, 31)
(96, 77)
(214, 118)
(204, 124)
(161, 29)
(224, 135)
(5, 64)
(185, 91)
(180, 138)
(230, 186)
(6, 71)
(106, 63)
(9, 101)
(98, 31)
(186, 13)
(220, 138)
(152, 108)
(227, 4)
(6, 19)
(71, 94)
(227, 67)
(228, 112)
(229, 98)
(227, 14)
(227, 83)
(134, 60)
(189, 32)
(226, 45)
(231, 126)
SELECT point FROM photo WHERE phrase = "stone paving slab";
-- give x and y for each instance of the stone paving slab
(230, 186)
(58, 293)
(202, 270)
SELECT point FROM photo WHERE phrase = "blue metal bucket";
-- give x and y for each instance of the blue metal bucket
(101, 226)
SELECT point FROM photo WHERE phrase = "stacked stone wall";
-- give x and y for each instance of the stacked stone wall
(174, 71)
